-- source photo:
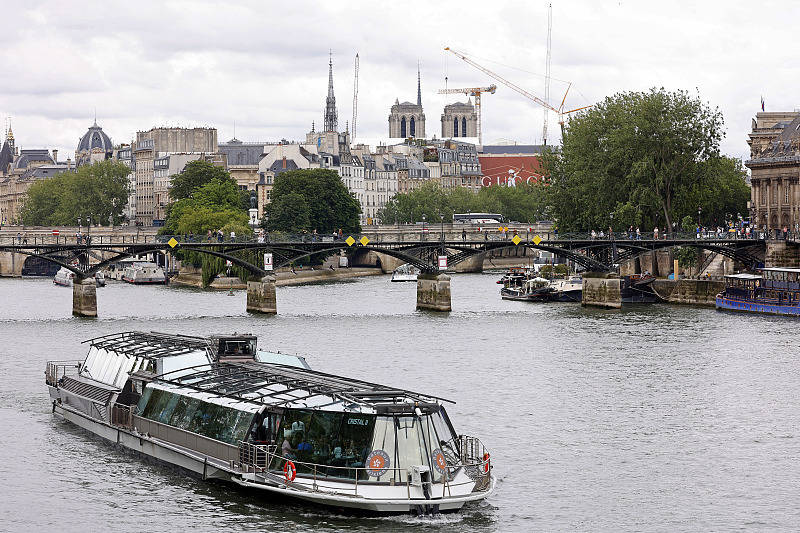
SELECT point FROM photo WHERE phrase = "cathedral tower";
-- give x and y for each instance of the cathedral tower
(407, 119)
(330, 120)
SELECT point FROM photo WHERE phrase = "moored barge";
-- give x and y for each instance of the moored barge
(775, 291)
(223, 409)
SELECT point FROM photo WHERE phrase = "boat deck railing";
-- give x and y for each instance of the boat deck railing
(263, 460)
(58, 369)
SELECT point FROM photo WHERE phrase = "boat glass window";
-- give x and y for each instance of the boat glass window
(338, 442)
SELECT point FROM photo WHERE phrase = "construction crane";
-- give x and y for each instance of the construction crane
(476, 92)
(560, 109)
(547, 72)
(355, 98)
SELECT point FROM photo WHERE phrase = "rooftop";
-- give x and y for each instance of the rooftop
(288, 386)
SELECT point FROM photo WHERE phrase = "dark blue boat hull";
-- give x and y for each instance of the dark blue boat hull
(756, 307)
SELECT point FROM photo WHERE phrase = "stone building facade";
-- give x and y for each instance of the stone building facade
(775, 171)
(459, 120)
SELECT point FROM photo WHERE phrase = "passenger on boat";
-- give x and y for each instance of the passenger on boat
(286, 448)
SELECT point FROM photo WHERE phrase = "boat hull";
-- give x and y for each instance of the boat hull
(747, 306)
(210, 468)
(144, 281)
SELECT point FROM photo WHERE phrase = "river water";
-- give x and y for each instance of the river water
(653, 418)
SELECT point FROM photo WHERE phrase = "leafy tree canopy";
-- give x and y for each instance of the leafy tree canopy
(644, 159)
(328, 204)
(212, 206)
(98, 191)
(196, 174)
(523, 203)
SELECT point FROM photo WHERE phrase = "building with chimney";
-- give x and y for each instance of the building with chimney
(407, 119)
(775, 171)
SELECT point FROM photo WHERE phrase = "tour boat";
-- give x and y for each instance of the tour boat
(405, 272)
(776, 291)
(527, 290)
(566, 290)
(144, 273)
(223, 409)
(65, 278)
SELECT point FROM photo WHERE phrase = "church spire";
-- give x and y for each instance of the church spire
(330, 101)
(419, 87)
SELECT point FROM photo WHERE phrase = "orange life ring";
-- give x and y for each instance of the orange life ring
(486, 462)
(289, 471)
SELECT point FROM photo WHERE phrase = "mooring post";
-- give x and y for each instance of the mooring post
(261, 296)
(84, 297)
(433, 292)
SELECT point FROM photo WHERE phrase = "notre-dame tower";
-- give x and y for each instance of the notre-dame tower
(407, 119)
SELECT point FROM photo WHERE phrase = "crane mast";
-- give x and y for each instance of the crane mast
(561, 112)
(547, 72)
(355, 98)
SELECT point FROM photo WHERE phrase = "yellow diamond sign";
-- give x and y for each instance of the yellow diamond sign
(364, 241)
(537, 240)
(516, 239)
(172, 242)
(350, 241)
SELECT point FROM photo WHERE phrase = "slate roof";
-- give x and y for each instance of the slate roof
(95, 137)
(240, 153)
(27, 156)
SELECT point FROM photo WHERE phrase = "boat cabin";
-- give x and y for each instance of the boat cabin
(781, 278)
(328, 426)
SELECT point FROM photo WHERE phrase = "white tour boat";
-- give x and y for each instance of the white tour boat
(65, 277)
(223, 409)
(144, 273)
(405, 272)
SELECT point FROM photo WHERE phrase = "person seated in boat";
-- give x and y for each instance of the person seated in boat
(287, 451)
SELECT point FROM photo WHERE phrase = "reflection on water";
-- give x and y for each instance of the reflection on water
(651, 418)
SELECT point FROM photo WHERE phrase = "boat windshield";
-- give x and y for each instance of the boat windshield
(343, 445)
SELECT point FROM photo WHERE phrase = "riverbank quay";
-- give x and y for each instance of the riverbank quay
(689, 291)
(192, 277)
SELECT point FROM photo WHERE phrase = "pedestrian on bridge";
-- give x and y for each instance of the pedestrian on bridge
(638, 234)
(655, 233)
(464, 234)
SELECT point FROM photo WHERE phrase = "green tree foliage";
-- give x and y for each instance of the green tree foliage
(643, 159)
(97, 191)
(211, 206)
(328, 205)
(523, 203)
(195, 174)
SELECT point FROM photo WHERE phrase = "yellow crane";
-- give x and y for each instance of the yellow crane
(560, 109)
(476, 92)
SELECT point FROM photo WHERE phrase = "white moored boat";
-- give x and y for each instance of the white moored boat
(144, 273)
(405, 272)
(223, 409)
(65, 277)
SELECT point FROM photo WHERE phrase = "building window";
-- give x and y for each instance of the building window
(455, 127)
(403, 127)
(463, 127)
(785, 194)
(413, 127)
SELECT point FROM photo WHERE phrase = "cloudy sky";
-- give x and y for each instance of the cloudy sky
(263, 65)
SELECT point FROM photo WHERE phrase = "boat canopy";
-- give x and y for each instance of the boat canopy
(294, 387)
(112, 358)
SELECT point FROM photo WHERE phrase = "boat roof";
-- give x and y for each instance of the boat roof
(288, 386)
(781, 269)
(743, 276)
(151, 345)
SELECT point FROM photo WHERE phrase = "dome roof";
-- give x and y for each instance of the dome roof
(95, 138)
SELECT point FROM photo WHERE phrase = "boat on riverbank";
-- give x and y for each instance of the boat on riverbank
(223, 409)
(144, 273)
(775, 291)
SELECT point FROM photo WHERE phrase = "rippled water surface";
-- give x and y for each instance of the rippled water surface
(654, 418)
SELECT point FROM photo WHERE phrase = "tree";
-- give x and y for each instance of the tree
(289, 213)
(211, 206)
(98, 191)
(194, 175)
(330, 205)
(642, 158)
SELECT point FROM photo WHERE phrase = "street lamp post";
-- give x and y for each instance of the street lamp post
(442, 217)
(423, 227)
(699, 210)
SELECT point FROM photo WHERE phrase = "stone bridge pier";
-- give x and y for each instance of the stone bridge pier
(433, 292)
(261, 296)
(84, 297)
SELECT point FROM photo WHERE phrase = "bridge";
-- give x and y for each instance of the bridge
(422, 250)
